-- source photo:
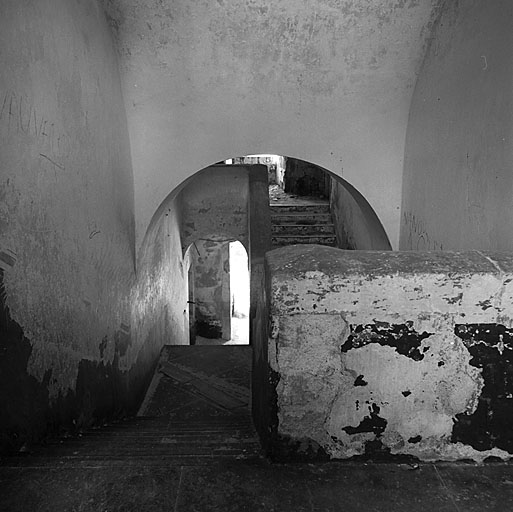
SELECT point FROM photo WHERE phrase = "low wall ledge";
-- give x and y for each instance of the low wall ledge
(299, 259)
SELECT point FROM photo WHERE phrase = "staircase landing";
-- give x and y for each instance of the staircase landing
(300, 220)
(202, 396)
(196, 411)
(195, 451)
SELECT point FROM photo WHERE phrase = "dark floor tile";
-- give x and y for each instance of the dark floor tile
(89, 489)
(241, 487)
(475, 488)
(376, 488)
(332, 488)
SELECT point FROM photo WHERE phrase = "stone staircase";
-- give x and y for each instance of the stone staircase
(196, 412)
(302, 224)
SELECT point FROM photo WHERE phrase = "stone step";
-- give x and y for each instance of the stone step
(301, 218)
(127, 460)
(279, 240)
(311, 208)
(302, 229)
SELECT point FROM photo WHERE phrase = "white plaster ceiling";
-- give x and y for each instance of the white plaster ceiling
(329, 81)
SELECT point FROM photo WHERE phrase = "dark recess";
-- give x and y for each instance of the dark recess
(491, 348)
(359, 381)
(27, 417)
(403, 337)
(371, 423)
(282, 448)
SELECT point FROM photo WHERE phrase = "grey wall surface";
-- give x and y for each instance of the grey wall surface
(459, 150)
(326, 82)
(375, 354)
(66, 221)
(356, 224)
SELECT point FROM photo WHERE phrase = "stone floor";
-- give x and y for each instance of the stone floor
(278, 197)
(194, 449)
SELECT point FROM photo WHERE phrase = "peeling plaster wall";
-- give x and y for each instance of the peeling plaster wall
(356, 223)
(459, 147)
(215, 205)
(159, 301)
(306, 179)
(382, 353)
(66, 221)
(212, 278)
(215, 202)
(328, 82)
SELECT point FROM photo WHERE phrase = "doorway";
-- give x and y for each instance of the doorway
(219, 294)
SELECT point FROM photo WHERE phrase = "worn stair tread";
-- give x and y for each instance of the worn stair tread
(301, 237)
(211, 420)
(320, 208)
(303, 229)
(209, 390)
(310, 226)
(299, 215)
(330, 241)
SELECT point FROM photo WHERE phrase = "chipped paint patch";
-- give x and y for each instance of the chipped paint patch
(414, 398)
(382, 365)
(489, 425)
(402, 337)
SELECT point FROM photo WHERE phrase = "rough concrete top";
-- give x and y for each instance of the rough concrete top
(299, 259)
(390, 285)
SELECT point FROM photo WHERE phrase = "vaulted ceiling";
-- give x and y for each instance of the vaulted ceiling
(328, 81)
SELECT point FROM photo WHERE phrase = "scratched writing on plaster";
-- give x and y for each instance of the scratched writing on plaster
(19, 116)
(418, 237)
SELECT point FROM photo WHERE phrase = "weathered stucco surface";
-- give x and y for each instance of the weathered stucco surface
(328, 82)
(212, 288)
(66, 221)
(356, 223)
(373, 352)
(215, 203)
(215, 211)
(159, 299)
(459, 146)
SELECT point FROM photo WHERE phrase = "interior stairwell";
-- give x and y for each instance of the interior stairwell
(196, 411)
(300, 220)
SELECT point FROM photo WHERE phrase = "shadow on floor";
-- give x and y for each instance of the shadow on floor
(194, 449)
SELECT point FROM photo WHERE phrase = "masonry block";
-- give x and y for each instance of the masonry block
(381, 354)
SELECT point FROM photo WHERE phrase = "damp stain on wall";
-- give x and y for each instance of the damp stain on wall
(489, 426)
(403, 337)
(382, 365)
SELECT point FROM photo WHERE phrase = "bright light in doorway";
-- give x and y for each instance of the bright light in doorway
(239, 294)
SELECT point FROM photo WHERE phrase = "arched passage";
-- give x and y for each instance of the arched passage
(218, 290)
(231, 202)
(286, 77)
(356, 223)
(221, 203)
(210, 208)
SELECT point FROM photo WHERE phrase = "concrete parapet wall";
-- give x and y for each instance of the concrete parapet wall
(391, 353)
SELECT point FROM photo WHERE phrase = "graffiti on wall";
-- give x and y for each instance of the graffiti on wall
(417, 235)
(18, 115)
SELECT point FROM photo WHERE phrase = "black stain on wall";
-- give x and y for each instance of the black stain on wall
(284, 448)
(209, 329)
(403, 337)
(454, 300)
(103, 345)
(8, 259)
(122, 341)
(27, 416)
(491, 348)
(359, 381)
(371, 423)
(374, 448)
